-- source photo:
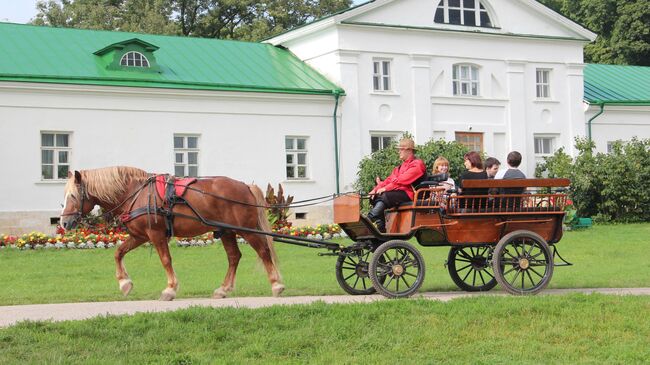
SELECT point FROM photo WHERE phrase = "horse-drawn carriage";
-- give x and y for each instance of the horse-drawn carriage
(500, 238)
(507, 239)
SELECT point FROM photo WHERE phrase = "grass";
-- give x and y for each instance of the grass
(524, 330)
(603, 256)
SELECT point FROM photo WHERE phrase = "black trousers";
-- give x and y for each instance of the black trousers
(392, 198)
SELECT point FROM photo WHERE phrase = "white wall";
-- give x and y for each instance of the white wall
(618, 123)
(241, 136)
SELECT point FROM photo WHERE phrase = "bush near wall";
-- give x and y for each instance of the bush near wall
(613, 187)
(381, 163)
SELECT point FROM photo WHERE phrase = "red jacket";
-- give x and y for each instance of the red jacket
(403, 176)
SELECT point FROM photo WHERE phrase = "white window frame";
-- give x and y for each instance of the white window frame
(56, 150)
(292, 160)
(381, 75)
(476, 11)
(134, 59)
(468, 84)
(382, 143)
(184, 152)
(538, 142)
(543, 83)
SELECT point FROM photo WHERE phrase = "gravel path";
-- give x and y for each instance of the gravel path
(10, 315)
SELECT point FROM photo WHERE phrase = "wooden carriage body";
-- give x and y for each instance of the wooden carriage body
(435, 218)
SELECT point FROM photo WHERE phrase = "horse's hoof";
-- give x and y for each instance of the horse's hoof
(168, 295)
(219, 293)
(277, 289)
(125, 286)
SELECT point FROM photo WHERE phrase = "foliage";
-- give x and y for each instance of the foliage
(623, 28)
(609, 187)
(278, 212)
(224, 19)
(381, 163)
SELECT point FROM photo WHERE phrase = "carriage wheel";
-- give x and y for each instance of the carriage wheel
(469, 267)
(352, 273)
(522, 263)
(397, 269)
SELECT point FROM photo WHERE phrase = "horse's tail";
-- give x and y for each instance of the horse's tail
(263, 221)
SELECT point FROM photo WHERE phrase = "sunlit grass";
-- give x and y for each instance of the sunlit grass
(603, 256)
(506, 330)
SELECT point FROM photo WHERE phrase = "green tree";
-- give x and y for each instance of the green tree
(623, 28)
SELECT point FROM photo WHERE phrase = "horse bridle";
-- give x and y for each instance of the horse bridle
(79, 213)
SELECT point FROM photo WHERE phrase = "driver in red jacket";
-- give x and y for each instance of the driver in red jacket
(396, 188)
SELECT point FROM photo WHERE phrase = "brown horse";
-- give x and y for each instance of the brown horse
(123, 191)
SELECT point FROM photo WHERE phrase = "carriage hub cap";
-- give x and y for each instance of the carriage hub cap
(398, 270)
(524, 263)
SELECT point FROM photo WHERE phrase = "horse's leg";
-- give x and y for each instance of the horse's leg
(161, 243)
(261, 245)
(122, 276)
(229, 240)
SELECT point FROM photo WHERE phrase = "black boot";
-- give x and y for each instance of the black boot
(376, 215)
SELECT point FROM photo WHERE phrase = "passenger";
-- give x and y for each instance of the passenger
(492, 166)
(397, 187)
(513, 172)
(475, 171)
(441, 166)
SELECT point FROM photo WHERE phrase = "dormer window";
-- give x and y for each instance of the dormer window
(134, 59)
(462, 12)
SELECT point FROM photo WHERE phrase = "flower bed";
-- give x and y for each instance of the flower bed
(103, 236)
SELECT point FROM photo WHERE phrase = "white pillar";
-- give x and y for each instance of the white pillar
(421, 76)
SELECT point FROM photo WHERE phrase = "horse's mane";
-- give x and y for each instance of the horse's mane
(107, 184)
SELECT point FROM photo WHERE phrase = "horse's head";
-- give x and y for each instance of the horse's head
(77, 202)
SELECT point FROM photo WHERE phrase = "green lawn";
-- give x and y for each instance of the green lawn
(603, 256)
(568, 329)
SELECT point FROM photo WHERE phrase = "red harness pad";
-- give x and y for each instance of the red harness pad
(180, 185)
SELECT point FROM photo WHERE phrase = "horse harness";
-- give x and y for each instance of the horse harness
(170, 190)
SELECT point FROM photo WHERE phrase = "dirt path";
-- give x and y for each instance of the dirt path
(10, 315)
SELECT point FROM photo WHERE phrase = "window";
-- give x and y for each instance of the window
(462, 12)
(465, 80)
(381, 75)
(473, 141)
(544, 145)
(296, 151)
(543, 82)
(134, 59)
(55, 155)
(379, 142)
(186, 155)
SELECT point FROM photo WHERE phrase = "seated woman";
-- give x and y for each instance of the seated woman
(474, 166)
(441, 166)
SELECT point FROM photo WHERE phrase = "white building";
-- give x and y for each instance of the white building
(498, 75)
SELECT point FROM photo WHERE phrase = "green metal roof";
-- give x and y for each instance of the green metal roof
(74, 56)
(613, 84)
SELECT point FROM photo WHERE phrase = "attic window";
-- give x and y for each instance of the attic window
(462, 12)
(134, 59)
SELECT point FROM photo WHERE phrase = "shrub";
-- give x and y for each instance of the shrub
(278, 213)
(381, 163)
(610, 187)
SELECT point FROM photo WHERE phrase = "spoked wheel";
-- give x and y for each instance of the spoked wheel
(522, 263)
(396, 269)
(352, 273)
(469, 267)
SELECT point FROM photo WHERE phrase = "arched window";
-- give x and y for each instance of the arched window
(465, 80)
(462, 12)
(134, 59)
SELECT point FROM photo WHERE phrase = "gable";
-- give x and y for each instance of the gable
(522, 17)
(507, 17)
